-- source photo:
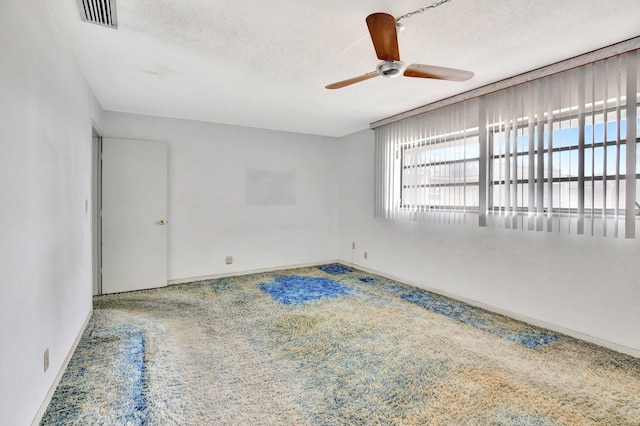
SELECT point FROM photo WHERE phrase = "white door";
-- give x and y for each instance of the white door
(134, 215)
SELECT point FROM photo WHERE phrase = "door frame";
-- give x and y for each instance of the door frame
(96, 211)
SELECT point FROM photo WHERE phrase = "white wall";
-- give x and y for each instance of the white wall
(588, 285)
(208, 214)
(46, 113)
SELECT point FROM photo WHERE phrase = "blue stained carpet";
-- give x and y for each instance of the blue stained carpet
(121, 399)
(131, 365)
(334, 269)
(530, 337)
(218, 288)
(296, 289)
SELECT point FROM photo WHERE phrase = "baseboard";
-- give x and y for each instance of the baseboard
(248, 272)
(523, 318)
(63, 368)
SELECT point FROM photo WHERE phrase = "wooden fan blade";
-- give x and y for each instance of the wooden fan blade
(382, 28)
(353, 80)
(439, 73)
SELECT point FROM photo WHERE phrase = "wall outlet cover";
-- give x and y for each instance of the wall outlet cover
(229, 260)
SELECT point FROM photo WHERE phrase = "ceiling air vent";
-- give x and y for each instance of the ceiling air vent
(101, 12)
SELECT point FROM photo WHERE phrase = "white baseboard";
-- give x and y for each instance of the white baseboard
(249, 272)
(63, 368)
(538, 323)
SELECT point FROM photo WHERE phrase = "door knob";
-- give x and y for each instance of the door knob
(163, 222)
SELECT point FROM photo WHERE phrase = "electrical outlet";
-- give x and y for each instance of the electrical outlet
(353, 245)
(46, 360)
(365, 254)
(229, 260)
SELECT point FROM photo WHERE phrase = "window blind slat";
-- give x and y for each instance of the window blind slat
(507, 164)
(630, 179)
(605, 186)
(594, 102)
(551, 143)
(531, 187)
(617, 124)
(581, 159)
(482, 170)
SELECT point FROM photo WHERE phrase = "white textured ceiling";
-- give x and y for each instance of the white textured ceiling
(264, 63)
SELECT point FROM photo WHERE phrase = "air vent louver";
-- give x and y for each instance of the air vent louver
(101, 12)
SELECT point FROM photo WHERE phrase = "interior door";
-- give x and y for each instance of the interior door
(134, 215)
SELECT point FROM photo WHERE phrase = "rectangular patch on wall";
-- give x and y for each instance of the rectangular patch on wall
(268, 187)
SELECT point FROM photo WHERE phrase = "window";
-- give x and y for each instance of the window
(441, 172)
(604, 172)
(557, 153)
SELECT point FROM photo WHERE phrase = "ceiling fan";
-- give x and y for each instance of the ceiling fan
(382, 28)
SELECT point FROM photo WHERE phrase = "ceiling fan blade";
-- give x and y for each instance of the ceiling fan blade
(382, 28)
(353, 80)
(439, 73)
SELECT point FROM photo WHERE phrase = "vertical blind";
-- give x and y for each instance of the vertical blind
(429, 168)
(556, 154)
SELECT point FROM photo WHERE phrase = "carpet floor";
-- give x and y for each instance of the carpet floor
(330, 346)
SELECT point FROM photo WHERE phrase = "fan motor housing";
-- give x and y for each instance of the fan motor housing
(390, 69)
